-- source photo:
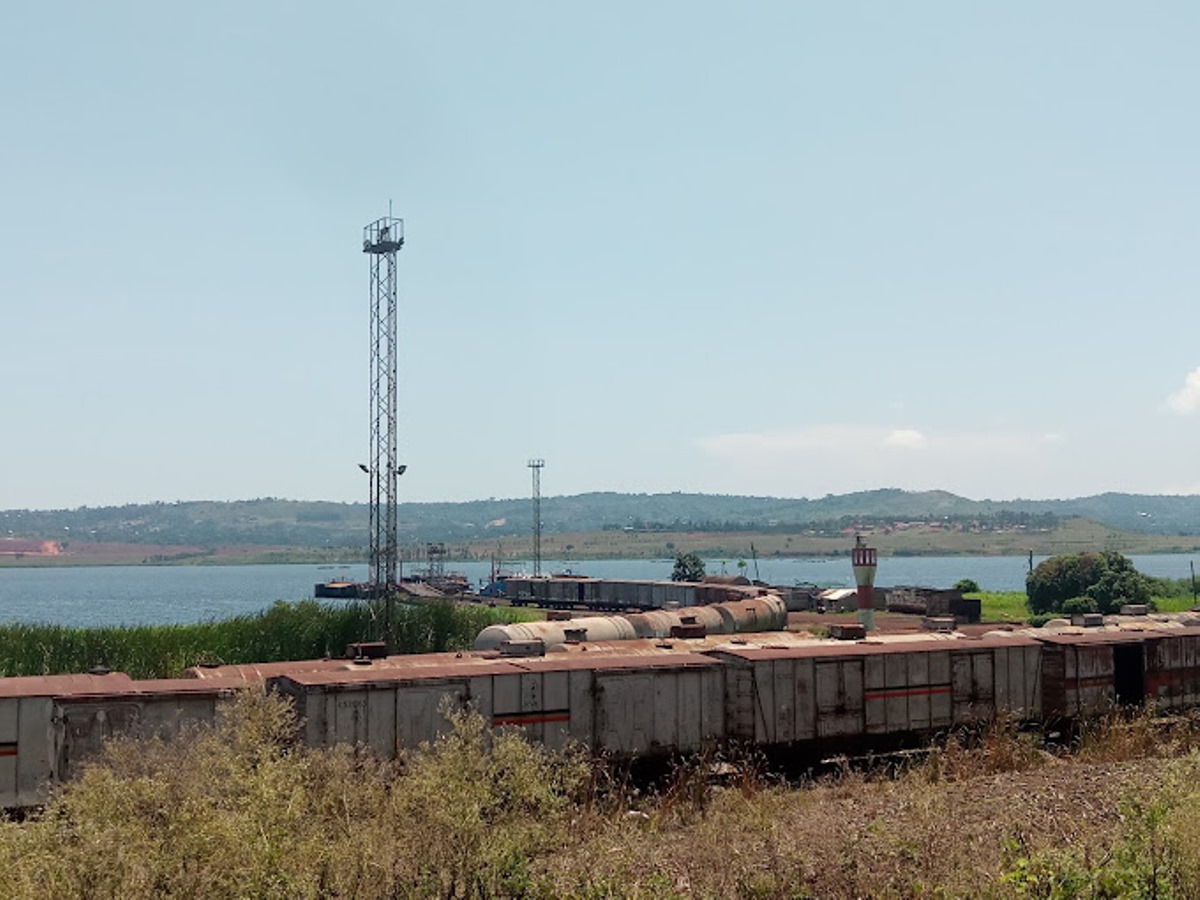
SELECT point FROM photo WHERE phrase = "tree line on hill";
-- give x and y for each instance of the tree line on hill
(274, 521)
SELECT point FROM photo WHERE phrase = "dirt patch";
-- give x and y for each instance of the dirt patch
(100, 553)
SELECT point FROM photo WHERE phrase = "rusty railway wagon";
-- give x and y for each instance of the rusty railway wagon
(608, 702)
(632, 698)
(604, 594)
(49, 726)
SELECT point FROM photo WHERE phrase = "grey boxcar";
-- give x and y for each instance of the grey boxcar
(625, 704)
(785, 695)
(27, 759)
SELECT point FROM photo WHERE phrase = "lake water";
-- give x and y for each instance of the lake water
(160, 595)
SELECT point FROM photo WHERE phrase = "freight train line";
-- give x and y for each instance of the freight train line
(641, 697)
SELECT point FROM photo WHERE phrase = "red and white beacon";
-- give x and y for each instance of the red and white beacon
(864, 561)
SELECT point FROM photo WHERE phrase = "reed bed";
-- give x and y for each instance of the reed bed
(302, 630)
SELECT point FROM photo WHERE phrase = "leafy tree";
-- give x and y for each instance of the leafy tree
(1108, 579)
(967, 586)
(1078, 605)
(688, 567)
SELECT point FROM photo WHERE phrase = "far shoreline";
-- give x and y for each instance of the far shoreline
(1073, 536)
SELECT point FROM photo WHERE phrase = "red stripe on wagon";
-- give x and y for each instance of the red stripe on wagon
(8, 749)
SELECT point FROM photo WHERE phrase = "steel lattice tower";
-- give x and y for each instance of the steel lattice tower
(535, 466)
(382, 239)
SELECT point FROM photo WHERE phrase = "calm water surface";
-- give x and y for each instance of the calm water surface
(160, 595)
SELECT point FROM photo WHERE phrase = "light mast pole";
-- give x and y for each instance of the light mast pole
(535, 466)
(382, 240)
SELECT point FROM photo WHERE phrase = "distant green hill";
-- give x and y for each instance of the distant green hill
(271, 521)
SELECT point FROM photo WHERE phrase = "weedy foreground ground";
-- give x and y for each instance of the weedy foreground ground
(241, 811)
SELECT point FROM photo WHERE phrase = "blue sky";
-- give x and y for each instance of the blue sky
(776, 248)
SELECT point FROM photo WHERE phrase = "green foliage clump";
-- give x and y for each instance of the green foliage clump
(967, 586)
(304, 630)
(688, 567)
(1107, 579)
(1078, 605)
(240, 810)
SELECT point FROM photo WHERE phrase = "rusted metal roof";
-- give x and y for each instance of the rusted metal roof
(833, 649)
(477, 666)
(54, 685)
(261, 671)
(467, 667)
(253, 672)
(158, 687)
(608, 662)
(1123, 636)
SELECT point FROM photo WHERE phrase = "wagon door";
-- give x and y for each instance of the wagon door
(973, 683)
(624, 711)
(1129, 674)
(839, 697)
(84, 727)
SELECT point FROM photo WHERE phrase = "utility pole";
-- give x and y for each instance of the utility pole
(535, 466)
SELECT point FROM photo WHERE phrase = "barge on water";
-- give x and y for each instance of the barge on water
(345, 590)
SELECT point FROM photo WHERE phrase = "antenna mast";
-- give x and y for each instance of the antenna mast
(535, 465)
(382, 239)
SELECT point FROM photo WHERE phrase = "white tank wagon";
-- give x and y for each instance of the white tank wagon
(760, 614)
(556, 633)
(624, 705)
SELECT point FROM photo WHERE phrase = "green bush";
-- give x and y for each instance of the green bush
(967, 586)
(688, 567)
(1077, 605)
(1107, 578)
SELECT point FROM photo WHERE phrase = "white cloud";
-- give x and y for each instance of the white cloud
(906, 438)
(1186, 400)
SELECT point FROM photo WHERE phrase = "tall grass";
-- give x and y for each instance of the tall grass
(1009, 606)
(1001, 606)
(239, 810)
(304, 630)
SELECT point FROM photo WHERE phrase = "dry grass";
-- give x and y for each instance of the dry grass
(241, 811)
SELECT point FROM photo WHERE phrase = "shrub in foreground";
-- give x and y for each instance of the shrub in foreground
(241, 811)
